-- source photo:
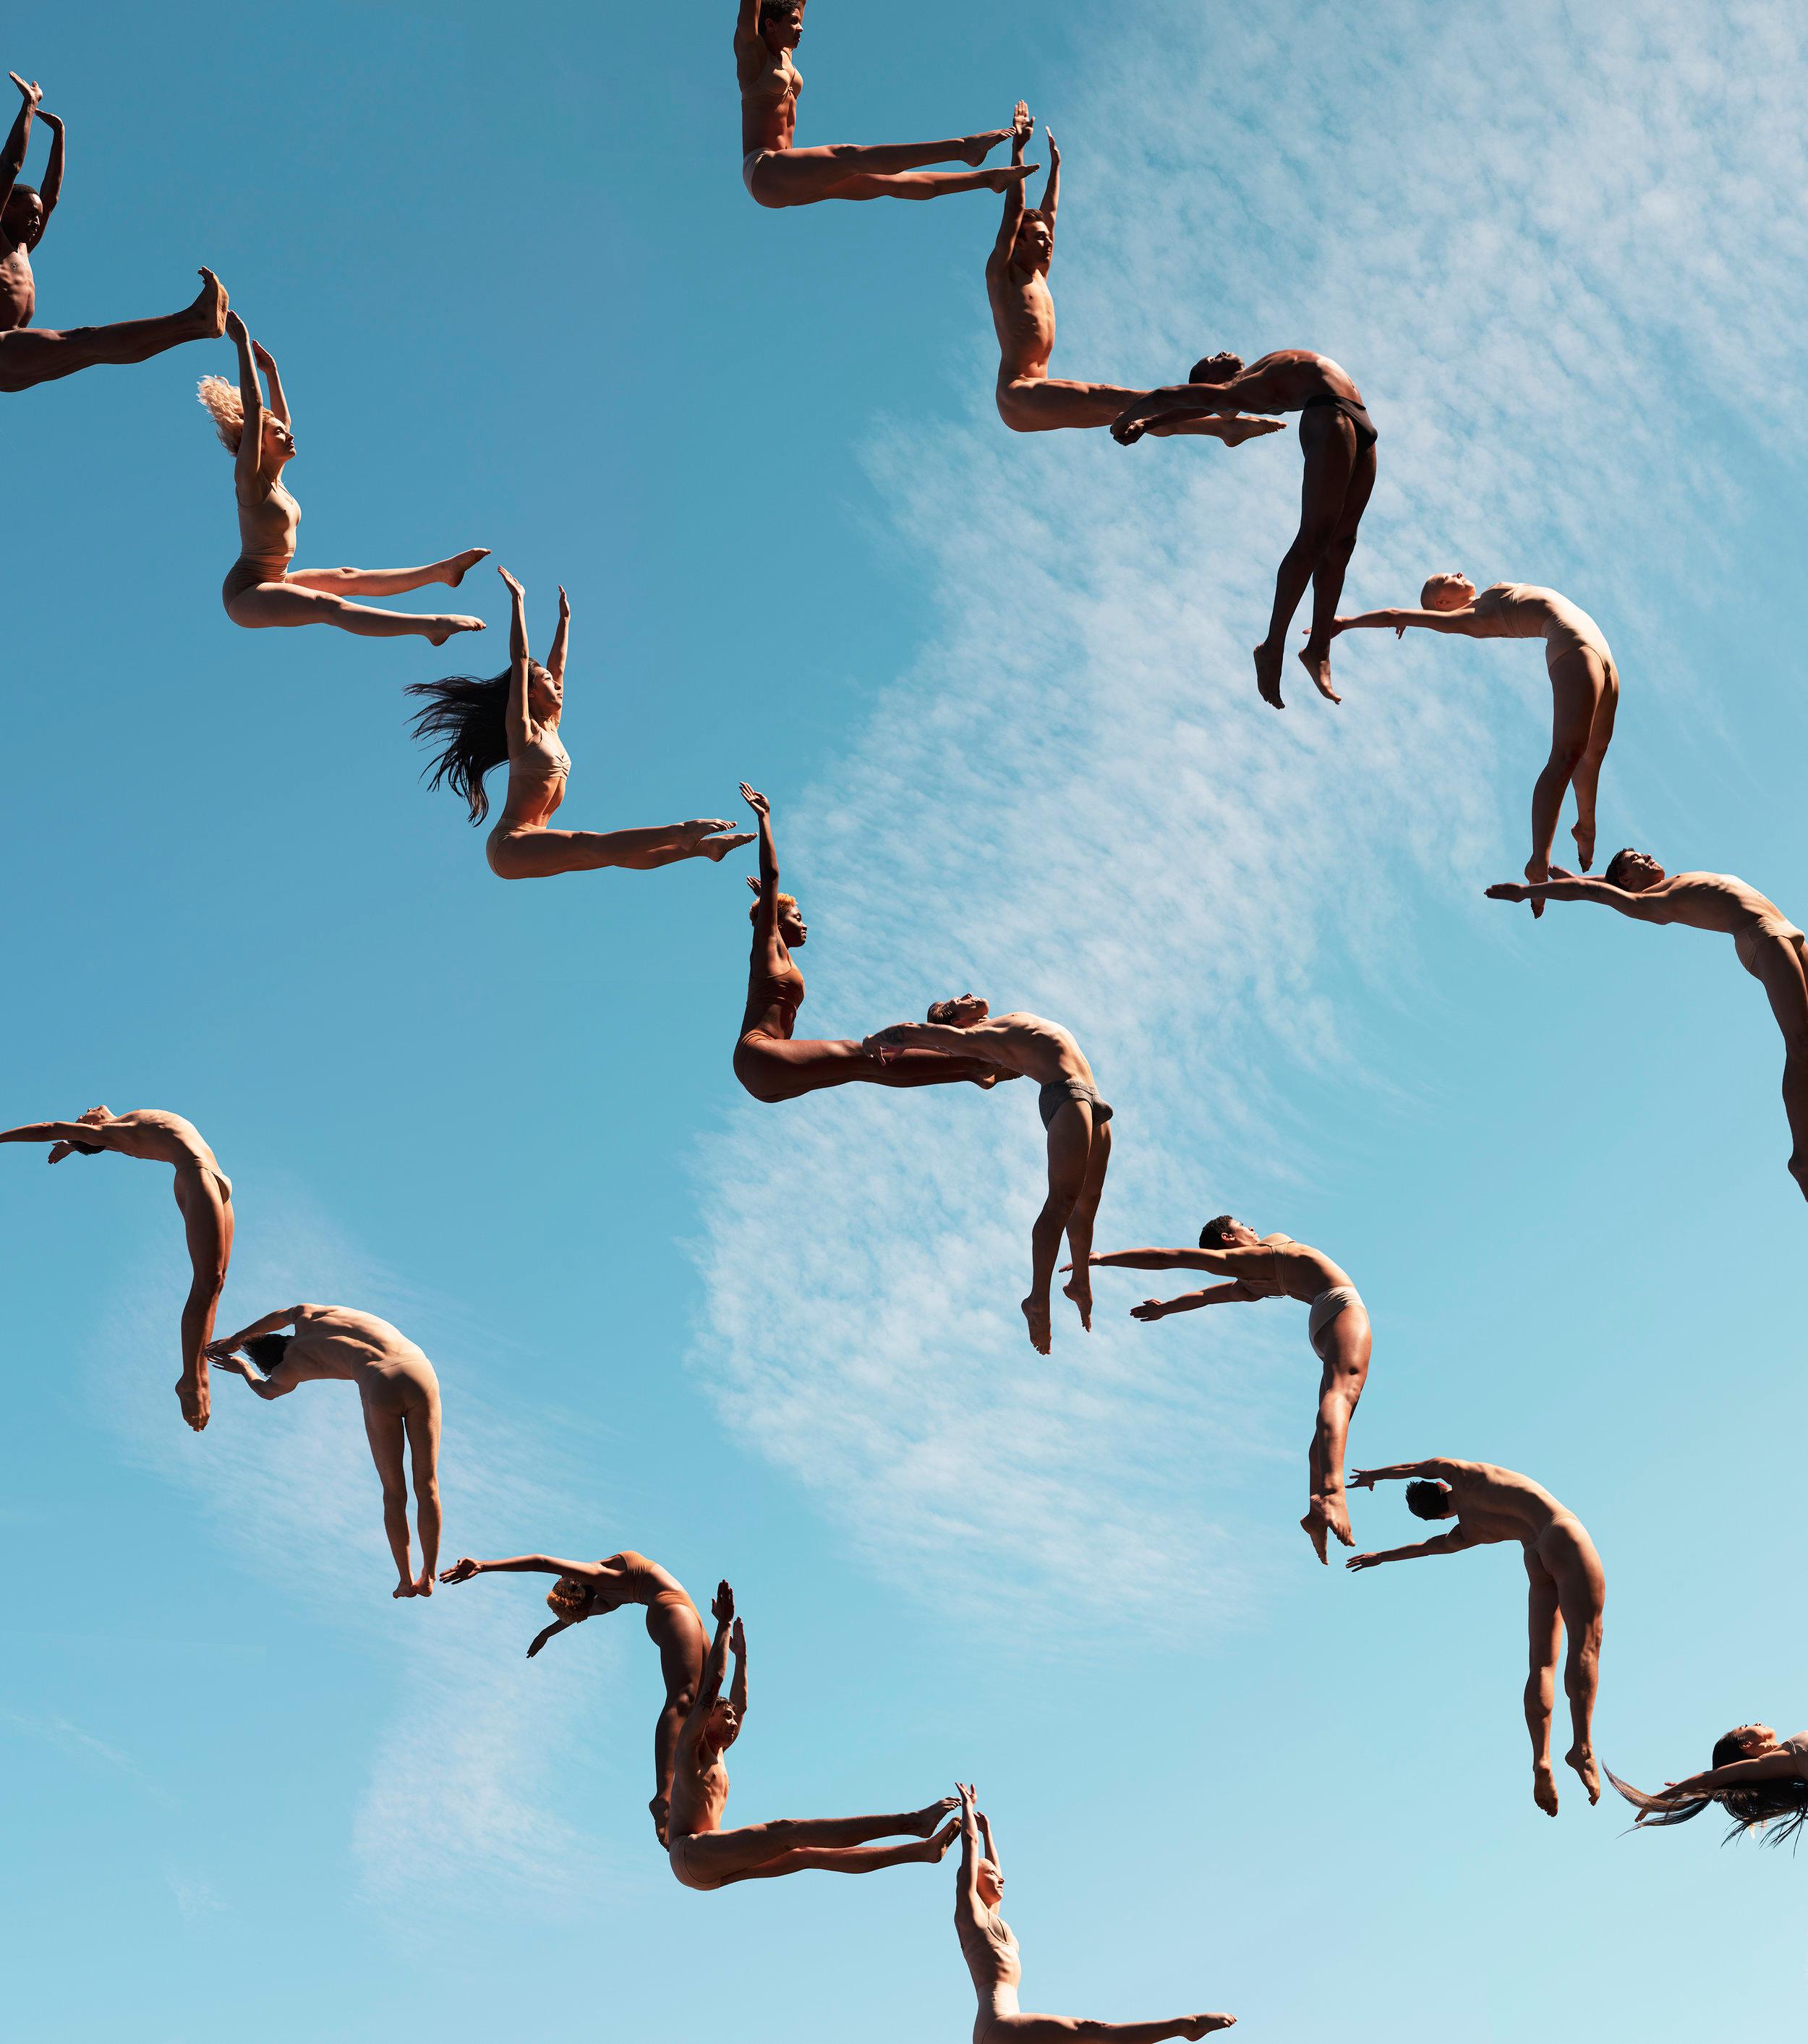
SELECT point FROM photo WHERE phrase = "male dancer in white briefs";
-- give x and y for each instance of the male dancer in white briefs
(1567, 1590)
(1276, 1266)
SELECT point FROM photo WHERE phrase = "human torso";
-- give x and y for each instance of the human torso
(638, 1580)
(699, 1792)
(1522, 610)
(161, 1138)
(1724, 903)
(266, 530)
(538, 771)
(338, 1343)
(770, 86)
(1288, 379)
(1300, 1271)
(1023, 311)
(992, 1957)
(774, 995)
(1493, 1504)
(1039, 1049)
(18, 288)
(1796, 1746)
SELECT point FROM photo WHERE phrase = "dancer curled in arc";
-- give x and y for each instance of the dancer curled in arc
(1078, 1120)
(1031, 401)
(32, 355)
(1770, 947)
(704, 1856)
(516, 716)
(263, 589)
(593, 1589)
(1760, 1781)
(398, 1390)
(1567, 1590)
(769, 1062)
(1337, 437)
(777, 173)
(1585, 689)
(204, 1198)
(1276, 1266)
(991, 1953)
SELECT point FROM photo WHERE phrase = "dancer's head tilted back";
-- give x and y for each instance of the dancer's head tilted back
(1225, 1231)
(1449, 589)
(792, 929)
(227, 409)
(1215, 369)
(1632, 871)
(1776, 1806)
(470, 713)
(989, 1878)
(962, 1012)
(1426, 1498)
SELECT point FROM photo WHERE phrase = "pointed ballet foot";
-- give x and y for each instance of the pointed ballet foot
(1316, 1530)
(978, 147)
(1082, 1295)
(1317, 662)
(718, 848)
(1582, 1761)
(1543, 1788)
(439, 629)
(1036, 1313)
(460, 565)
(1232, 433)
(192, 1395)
(1536, 870)
(1007, 174)
(1267, 677)
(1202, 2026)
(403, 1590)
(923, 1822)
(210, 306)
(933, 1850)
(1584, 837)
(424, 1585)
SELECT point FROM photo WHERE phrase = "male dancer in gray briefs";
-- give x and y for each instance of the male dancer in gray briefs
(1276, 1266)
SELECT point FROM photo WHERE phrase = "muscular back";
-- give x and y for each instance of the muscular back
(338, 1342)
(1038, 1048)
(1494, 1503)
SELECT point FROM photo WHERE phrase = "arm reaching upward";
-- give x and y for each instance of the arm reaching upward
(1051, 191)
(561, 639)
(967, 1891)
(520, 721)
(766, 938)
(738, 1689)
(249, 468)
(1022, 129)
(715, 1665)
(267, 362)
(51, 190)
(539, 1565)
(19, 136)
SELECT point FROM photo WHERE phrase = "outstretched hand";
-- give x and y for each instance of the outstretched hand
(461, 1570)
(265, 359)
(564, 602)
(738, 1638)
(1054, 153)
(722, 1605)
(757, 802)
(1360, 1480)
(236, 330)
(1150, 1309)
(515, 588)
(1023, 124)
(1363, 1561)
(34, 92)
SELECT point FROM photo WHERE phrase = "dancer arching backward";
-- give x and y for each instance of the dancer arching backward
(1568, 1589)
(262, 588)
(204, 1198)
(769, 1061)
(1337, 438)
(593, 1589)
(1760, 1781)
(516, 716)
(1077, 1121)
(1769, 946)
(30, 354)
(704, 1856)
(990, 1950)
(777, 175)
(400, 1397)
(1276, 1266)
(1585, 689)
(1030, 401)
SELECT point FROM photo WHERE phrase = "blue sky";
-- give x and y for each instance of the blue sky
(998, 690)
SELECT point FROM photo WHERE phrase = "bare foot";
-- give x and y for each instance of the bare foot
(1584, 837)
(1335, 1506)
(1267, 675)
(438, 630)
(197, 1405)
(718, 848)
(423, 1584)
(1536, 869)
(1317, 662)
(1079, 1288)
(978, 147)
(706, 827)
(1317, 1527)
(1002, 179)
(460, 565)
(1202, 2026)
(1583, 1760)
(404, 1588)
(1235, 432)
(924, 1821)
(931, 1850)
(1543, 1788)
(209, 306)
(1036, 1312)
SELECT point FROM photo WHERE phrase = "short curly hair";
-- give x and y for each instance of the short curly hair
(782, 902)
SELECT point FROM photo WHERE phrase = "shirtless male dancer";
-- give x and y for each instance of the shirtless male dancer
(1276, 1266)
(204, 1198)
(704, 1856)
(1337, 438)
(991, 1953)
(1585, 689)
(594, 1589)
(1030, 401)
(1769, 946)
(1078, 1120)
(398, 1390)
(1568, 1589)
(32, 355)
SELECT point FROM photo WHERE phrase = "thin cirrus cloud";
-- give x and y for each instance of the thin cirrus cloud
(1071, 800)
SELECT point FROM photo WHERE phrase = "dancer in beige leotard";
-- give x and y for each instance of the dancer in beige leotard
(991, 1953)
(1585, 689)
(516, 716)
(705, 1857)
(593, 1589)
(204, 1198)
(1770, 947)
(263, 589)
(1567, 1591)
(398, 1390)
(1276, 1266)
(778, 174)
(1077, 1121)
(32, 354)
(1760, 1781)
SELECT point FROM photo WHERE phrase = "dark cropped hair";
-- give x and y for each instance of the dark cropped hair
(1216, 1232)
(769, 9)
(29, 191)
(472, 715)
(1610, 871)
(941, 1011)
(86, 1149)
(1427, 1500)
(1215, 369)
(267, 1350)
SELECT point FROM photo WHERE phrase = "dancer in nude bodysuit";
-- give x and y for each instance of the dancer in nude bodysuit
(1566, 1594)
(1030, 401)
(262, 588)
(516, 716)
(704, 1856)
(593, 1589)
(1760, 1781)
(768, 1061)
(991, 1953)
(777, 174)
(1585, 689)
(398, 1390)
(204, 1198)
(1276, 1266)
(1337, 437)
(1078, 1120)
(30, 354)
(1769, 946)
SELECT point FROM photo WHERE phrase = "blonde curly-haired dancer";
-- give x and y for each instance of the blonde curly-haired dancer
(990, 1950)
(777, 173)
(263, 589)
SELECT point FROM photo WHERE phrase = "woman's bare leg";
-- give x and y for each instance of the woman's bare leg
(1782, 969)
(1066, 2029)
(1327, 440)
(1587, 777)
(682, 1651)
(282, 604)
(384, 1431)
(847, 171)
(388, 581)
(756, 1851)
(1544, 1622)
(1070, 1138)
(422, 1423)
(542, 855)
(1351, 1341)
(1327, 578)
(777, 1070)
(207, 1221)
(1582, 1596)
(1079, 1287)
(1577, 680)
(30, 355)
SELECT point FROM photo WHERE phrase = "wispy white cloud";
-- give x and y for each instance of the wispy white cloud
(83, 1745)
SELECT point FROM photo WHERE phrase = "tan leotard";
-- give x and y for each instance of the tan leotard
(266, 542)
(769, 111)
(990, 1950)
(1525, 611)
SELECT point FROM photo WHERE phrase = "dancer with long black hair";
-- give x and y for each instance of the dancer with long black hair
(1759, 1780)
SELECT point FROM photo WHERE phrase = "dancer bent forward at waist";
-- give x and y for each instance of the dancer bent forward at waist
(1760, 1781)
(1567, 1591)
(594, 1589)
(1077, 1121)
(704, 1856)
(1276, 1266)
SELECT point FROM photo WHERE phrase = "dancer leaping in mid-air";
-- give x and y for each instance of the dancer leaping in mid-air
(1760, 1781)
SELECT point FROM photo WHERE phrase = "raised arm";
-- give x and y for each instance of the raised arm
(1453, 1542)
(1237, 1291)
(57, 1132)
(18, 139)
(1022, 129)
(248, 469)
(966, 1890)
(51, 190)
(748, 49)
(1441, 1466)
(1051, 195)
(766, 923)
(539, 1564)
(267, 362)
(738, 1689)
(716, 1664)
(923, 1036)
(561, 639)
(520, 720)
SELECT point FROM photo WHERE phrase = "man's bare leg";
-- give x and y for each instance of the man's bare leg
(1079, 1287)
(1327, 578)
(30, 355)
(849, 170)
(388, 581)
(385, 1433)
(1070, 1146)
(1329, 462)
(1067, 2029)
(423, 1426)
(1587, 777)
(1543, 1622)
(857, 1859)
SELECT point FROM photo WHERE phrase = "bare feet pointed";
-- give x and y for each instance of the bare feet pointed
(1007, 174)
(403, 1590)
(1234, 431)
(1202, 2026)
(1267, 675)
(440, 629)
(1316, 1527)
(196, 1406)
(460, 565)
(1543, 1788)
(935, 1849)
(1036, 1313)
(978, 147)
(718, 848)
(1079, 1288)
(1317, 662)
(1536, 870)
(923, 1822)
(1584, 837)
(1582, 1760)
(210, 306)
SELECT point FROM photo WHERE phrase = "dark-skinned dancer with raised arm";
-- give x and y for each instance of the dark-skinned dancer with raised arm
(1567, 1591)
(1276, 1266)
(32, 354)
(594, 1589)
(705, 1857)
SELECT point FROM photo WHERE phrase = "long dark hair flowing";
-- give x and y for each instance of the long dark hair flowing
(1777, 1810)
(471, 715)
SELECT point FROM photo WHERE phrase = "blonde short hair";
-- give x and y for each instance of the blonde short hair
(228, 408)
(783, 902)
